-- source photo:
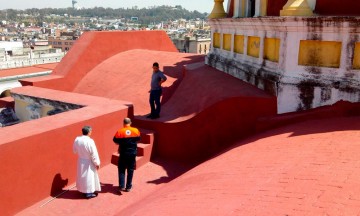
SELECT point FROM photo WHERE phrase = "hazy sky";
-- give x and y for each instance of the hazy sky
(199, 5)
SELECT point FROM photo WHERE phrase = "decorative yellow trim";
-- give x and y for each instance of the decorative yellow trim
(239, 44)
(253, 47)
(272, 49)
(356, 61)
(243, 12)
(216, 40)
(227, 42)
(218, 10)
(296, 8)
(320, 53)
(263, 7)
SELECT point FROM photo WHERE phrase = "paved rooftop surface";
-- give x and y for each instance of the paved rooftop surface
(27, 70)
(308, 168)
(147, 179)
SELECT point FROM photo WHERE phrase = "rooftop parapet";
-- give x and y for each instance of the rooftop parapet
(306, 62)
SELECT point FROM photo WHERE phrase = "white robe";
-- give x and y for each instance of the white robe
(87, 180)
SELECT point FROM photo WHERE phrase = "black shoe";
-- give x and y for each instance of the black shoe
(155, 117)
(149, 116)
(90, 195)
(120, 190)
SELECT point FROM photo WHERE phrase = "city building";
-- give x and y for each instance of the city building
(9, 48)
(192, 44)
(63, 43)
(63, 39)
(15, 54)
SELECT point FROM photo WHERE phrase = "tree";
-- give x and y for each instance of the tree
(145, 15)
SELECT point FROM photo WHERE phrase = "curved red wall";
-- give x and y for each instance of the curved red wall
(337, 7)
(93, 48)
(209, 132)
(274, 7)
(208, 111)
(322, 7)
(126, 76)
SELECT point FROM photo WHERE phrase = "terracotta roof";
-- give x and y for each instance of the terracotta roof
(308, 168)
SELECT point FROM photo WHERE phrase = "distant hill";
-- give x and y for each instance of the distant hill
(145, 15)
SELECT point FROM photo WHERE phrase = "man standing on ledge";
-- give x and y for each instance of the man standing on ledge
(127, 138)
(157, 79)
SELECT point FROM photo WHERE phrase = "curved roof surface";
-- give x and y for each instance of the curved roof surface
(127, 75)
(309, 168)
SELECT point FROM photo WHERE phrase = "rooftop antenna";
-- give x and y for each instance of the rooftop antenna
(73, 3)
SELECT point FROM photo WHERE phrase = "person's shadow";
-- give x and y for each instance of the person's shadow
(109, 188)
(57, 185)
(161, 180)
(74, 194)
(57, 189)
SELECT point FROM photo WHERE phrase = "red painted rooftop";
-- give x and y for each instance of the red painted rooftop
(27, 70)
(308, 168)
(127, 76)
(305, 168)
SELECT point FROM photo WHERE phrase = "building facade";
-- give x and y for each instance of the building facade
(304, 56)
(63, 43)
(20, 54)
(193, 45)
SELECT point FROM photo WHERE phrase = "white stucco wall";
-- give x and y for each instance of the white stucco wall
(10, 82)
(326, 85)
(7, 85)
(312, 4)
(9, 46)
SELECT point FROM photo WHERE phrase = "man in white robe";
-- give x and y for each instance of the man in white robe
(87, 181)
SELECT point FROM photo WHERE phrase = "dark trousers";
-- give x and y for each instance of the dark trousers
(154, 100)
(126, 162)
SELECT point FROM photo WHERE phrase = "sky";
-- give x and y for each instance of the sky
(199, 5)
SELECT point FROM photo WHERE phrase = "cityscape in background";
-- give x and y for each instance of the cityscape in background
(39, 36)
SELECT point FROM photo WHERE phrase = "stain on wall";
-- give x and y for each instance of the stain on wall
(320, 70)
(325, 94)
(253, 48)
(306, 95)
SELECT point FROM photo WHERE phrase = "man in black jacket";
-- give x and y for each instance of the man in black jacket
(127, 138)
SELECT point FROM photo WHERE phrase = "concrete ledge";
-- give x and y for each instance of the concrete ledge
(339, 109)
(41, 81)
(6, 101)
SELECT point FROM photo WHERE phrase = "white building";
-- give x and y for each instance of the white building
(303, 59)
